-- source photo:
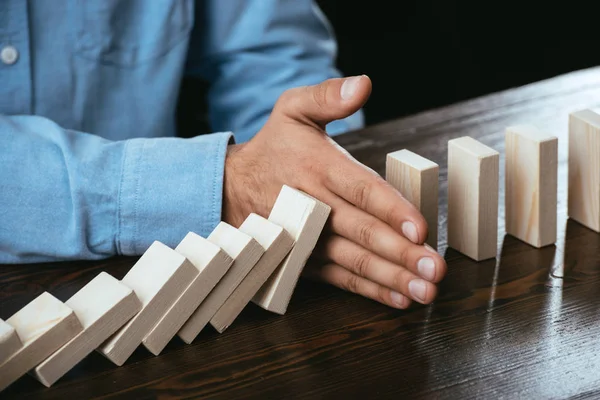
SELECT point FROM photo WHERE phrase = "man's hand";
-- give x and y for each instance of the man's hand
(375, 244)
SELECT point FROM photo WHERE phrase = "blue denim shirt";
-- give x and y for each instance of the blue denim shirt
(91, 164)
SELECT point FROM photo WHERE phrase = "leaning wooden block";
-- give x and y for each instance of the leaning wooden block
(416, 178)
(245, 252)
(303, 217)
(211, 263)
(277, 244)
(473, 175)
(158, 278)
(9, 341)
(584, 168)
(43, 325)
(102, 306)
(531, 185)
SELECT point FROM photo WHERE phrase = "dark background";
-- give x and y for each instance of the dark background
(424, 54)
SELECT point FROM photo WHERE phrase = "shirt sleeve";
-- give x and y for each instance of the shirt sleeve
(251, 51)
(71, 195)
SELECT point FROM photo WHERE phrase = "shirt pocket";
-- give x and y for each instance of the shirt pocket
(130, 32)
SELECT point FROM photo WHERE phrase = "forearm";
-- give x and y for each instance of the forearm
(70, 195)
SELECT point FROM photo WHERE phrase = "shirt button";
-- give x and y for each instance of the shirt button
(9, 55)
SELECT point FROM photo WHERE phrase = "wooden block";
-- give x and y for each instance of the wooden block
(473, 175)
(584, 168)
(303, 217)
(531, 185)
(277, 244)
(417, 179)
(9, 341)
(158, 278)
(43, 325)
(102, 306)
(212, 263)
(245, 252)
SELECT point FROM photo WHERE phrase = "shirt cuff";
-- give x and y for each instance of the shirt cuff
(169, 187)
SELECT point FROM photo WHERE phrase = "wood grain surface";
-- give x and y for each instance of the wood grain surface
(524, 325)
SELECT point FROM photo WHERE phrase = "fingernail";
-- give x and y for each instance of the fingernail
(410, 231)
(349, 87)
(418, 289)
(426, 268)
(398, 299)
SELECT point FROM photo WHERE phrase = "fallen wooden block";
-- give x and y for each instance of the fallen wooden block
(245, 252)
(584, 168)
(417, 179)
(211, 263)
(9, 341)
(303, 217)
(43, 325)
(158, 278)
(102, 306)
(531, 185)
(277, 244)
(473, 175)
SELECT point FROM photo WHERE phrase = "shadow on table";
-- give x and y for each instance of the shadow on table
(581, 253)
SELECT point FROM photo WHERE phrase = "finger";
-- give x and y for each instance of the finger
(366, 190)
(378, 237)
(325, 102)
(365, 264)
(346, 280)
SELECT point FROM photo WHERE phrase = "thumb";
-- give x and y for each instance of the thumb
(330, 100)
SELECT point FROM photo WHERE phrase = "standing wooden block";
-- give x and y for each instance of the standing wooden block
(245, 252)
(102, 306)
(158, 278)
(212, 263)
(473, 175)
(416, 178)
(9, 341)
(531, 185)
(584, 168)
(277, 244)
(43, 325)
(303, 217)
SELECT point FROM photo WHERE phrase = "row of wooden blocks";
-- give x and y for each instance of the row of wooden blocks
(167, 292)
(531, 170)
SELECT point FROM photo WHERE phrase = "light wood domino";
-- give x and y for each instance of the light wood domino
(43, 325)
(584, 168)
(158, 278)
(9, 341)
(304, 218)
(277, 244)
(102, 306)
(473, 178)
(212, 263)
(417, 179)
(245, 252)
(531, 185)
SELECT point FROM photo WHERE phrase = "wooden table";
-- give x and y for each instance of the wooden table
(526, 325)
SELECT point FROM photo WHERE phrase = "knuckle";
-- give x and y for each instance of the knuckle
(360, 194)
(403, 254)
(362, 263)
(352, 283)
(319, 95)
(393, 215)
(366, 233)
